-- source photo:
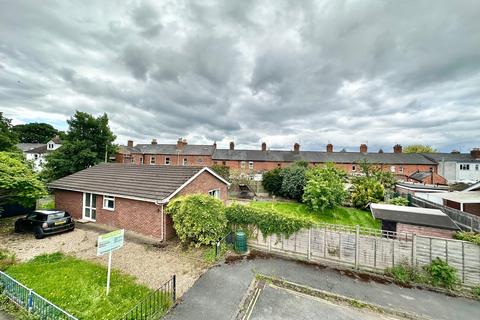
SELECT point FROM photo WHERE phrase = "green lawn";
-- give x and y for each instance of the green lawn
(78, 286)
(339, 215)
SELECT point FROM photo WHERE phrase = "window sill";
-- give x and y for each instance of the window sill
(109, 209)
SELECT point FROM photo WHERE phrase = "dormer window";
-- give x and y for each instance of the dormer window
(51, 145)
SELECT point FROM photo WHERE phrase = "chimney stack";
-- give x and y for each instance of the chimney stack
(363, 148)
(154, 141)
(296, 147)
(215, 145)
(475, 153)
(130, 143)
(397, 148)
(181, 143)
(329, 147)
(264, 146)
(232, 145)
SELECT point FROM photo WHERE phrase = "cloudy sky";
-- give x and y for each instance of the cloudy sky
(345, 72)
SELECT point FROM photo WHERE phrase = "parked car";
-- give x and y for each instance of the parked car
(45, 222)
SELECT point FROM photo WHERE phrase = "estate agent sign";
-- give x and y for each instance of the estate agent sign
(106, 244)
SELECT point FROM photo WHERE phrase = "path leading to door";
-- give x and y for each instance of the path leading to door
(219, 292)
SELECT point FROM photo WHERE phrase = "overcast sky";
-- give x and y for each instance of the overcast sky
(313, 72)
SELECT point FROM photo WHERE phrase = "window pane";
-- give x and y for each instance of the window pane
(87, 212)
(94, 200)
(87, 199)
(94, 214)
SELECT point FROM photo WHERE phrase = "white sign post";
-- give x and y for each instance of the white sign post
(106, 244)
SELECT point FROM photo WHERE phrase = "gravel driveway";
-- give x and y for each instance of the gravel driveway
(151, 265)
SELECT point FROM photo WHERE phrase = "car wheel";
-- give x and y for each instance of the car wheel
(19, 227)
(38, 233)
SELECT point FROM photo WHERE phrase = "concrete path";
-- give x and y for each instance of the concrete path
(218, 293)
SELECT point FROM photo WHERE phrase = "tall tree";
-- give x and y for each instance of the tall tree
(8, 139)
(34, 132)
(419, 148)
(18, 182)
(87, 142)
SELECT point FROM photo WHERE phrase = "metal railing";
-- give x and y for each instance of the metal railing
(155, 304)
(30, 300)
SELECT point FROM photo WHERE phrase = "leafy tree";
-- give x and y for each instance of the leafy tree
(419, 148)
(223, 171)
(386, 178)
(87, 142)
(34, 132)
(198, 219)
(18, 182)
(272, 181)
(293, 181)
(8, 139)
(324, 188)
(366, 190)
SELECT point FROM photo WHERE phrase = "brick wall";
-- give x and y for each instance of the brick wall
(192, 160)
(139, 216)
(473, 208)
(425, 231)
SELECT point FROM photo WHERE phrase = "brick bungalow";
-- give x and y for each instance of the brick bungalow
(419, 221)
(133, 197)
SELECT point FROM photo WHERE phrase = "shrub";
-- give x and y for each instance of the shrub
(268, 221)
(293, 181)
(366, 190)
(198, 219)
(324, 188)
(468, 236)
(272, 181)
(476, 292)
(398, 201)
(221, 170)
(441, 274)
(6, 259)
(404, 273)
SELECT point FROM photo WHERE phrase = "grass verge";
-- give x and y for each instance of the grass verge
(78, 286)
(339, 215)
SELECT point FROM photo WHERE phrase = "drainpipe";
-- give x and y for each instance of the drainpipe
(162, 217)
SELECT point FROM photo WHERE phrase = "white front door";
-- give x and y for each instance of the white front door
(89, 206)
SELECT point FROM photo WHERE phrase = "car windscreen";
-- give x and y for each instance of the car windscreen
(55, 216)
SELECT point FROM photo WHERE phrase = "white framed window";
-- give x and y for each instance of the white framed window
(250, 165)
(152, 160)
(477, 167)
(392, 168)
(35, 156)
(141, 160)
(185, 162)
(167, 161)
(132, 160)
(354, 168)
(89, 206)
(214, 193)
(243, 164)
(464, 166)
(400, 169)
(109, 203)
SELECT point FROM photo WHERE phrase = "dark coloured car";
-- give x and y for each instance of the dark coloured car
(45, 222)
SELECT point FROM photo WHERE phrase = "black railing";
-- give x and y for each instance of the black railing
(155, 304)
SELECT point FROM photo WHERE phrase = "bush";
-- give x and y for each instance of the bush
(404, 273)
(6, 259)
(476, 292)
(221, 170)
(468, 236)
(272, 181)
(293, 181)
(366, 190)
(198, 219)
(441, 274)
(324, 188)
(268, 221)
(398, 201)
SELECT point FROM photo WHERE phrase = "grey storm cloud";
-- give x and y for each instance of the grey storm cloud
(313, 72)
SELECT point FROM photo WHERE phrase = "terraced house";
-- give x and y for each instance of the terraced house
(422, 168)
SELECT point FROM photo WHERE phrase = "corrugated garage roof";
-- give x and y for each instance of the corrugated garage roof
(130, 180)
(413, 215)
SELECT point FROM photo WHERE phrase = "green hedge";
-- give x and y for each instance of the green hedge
(268, 221)
(468, 236)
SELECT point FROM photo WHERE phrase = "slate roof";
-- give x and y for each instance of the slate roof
(320, 157)
(453, 157)
(29, 146)
(130, 180)
(171, 149)
(420, 175)
(42, 149)
(413, 215)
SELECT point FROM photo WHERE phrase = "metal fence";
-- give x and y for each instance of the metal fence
(30, 300)
(373, 250)
(155, 304)
(464, 220)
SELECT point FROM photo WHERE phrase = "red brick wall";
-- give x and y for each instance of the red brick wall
(69, 201)
(204, 183)
(192, 160)
(424, 231)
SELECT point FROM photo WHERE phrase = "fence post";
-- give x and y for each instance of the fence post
(309, 250)
(30, 301)
(174, 293)
(357, 245)
(325, 241)
(463, 262)
(414, 250)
